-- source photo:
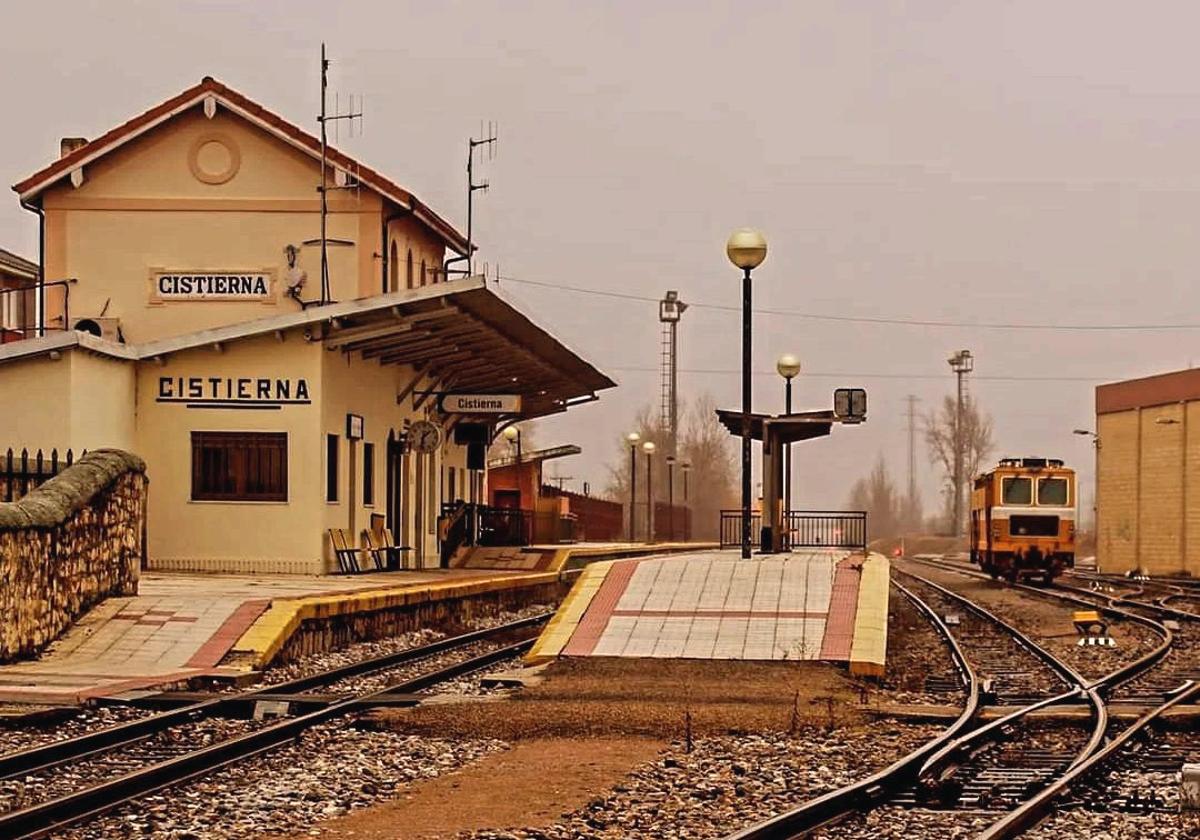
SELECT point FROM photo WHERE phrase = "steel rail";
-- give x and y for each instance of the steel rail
(47, 756)
(965, 744)
(44, 818)
(1034, 810)
(866, 793)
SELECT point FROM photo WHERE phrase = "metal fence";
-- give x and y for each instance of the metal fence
(802, 529)
(21, 473)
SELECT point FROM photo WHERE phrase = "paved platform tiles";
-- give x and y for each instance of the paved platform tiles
(811, 605)
(181, 625)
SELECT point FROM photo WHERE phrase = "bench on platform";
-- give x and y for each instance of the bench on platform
(346, 553)
(383, 549)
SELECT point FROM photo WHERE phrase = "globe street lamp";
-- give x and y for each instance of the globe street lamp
(746, 249)
(788, 367)
(648, 447)
(513, 435)
(632, 438)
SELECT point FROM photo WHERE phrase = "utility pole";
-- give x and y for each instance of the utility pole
(961, 363)
(913, 399)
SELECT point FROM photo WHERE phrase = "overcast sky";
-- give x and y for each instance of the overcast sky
(989, 163)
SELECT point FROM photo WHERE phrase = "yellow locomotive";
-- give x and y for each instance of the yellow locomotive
(1023, 519)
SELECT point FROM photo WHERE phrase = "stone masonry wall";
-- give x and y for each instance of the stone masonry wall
(67, 545)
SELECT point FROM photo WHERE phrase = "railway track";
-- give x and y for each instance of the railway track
(1120, 776)
(993, 778)
(122, 763)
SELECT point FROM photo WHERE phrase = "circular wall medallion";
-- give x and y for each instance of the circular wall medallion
(214, 158)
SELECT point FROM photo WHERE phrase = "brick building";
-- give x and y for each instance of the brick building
(1148, 474)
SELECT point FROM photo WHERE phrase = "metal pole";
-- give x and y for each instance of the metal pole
(671, 499)
(746, 415)
(649, 502)
(632, 491)
(325, 291)
(958, 455)
(787, 474)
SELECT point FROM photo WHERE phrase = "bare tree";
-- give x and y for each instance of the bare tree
(978, 445)
(703, 444)
(877, 495)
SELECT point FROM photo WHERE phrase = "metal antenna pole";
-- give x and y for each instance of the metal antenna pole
(321, 188)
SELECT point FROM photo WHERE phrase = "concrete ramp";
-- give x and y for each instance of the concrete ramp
(827, 605)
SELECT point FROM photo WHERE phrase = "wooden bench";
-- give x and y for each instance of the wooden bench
(383, 549)
(347, 554)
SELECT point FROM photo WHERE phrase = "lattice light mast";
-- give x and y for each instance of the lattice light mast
(961, 363)
(669, 310)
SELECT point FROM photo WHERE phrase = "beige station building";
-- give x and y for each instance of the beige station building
(1148, 475)
(179, 315)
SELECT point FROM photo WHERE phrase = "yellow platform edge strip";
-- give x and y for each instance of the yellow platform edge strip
(868, 650)
(567, 617)
(268, 634)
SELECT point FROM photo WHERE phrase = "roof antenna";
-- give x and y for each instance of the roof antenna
(342, 180)
(489, 141)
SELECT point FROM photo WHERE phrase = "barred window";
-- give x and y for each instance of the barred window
(239, 466)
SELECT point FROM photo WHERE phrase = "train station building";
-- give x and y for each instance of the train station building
(1148, 474)
(182, 316)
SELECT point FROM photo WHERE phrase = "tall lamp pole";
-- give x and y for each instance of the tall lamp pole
(670, 498)
(687, 522)
(648, 447)
(746, 249)
(788, 367)
(632, 438)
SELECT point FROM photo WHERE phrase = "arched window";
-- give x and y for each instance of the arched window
(394, 268)
(424, 277)
(409, 273)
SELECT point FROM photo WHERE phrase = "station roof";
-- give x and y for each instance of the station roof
(17, 266)
(536, 456)
(1147, 392)
(210, 90)
(802, 425)
(459, 335)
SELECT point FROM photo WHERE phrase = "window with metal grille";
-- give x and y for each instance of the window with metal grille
(368, 473)
(239, 467)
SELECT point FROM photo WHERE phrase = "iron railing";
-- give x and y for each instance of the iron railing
(21, 473)
(802, 529)
(30, 310)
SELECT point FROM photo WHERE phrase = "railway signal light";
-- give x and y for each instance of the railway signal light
(850, 405)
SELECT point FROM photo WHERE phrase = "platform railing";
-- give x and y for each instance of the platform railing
(802, 529)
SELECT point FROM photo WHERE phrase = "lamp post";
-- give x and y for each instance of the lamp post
(513, 435)
(632, 438)
(788, 367)
(687, 522)
(1095, 477)
(670, 498)
(746, 249)
(648, 447)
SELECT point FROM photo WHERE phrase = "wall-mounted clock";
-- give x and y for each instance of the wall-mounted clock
(425, 435)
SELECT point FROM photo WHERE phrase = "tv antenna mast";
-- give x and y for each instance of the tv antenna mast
(489, 142)
(347, 181)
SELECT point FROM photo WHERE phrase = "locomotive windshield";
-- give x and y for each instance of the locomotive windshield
(1017, 491)
(1052, 491)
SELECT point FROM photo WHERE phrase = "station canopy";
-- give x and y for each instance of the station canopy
(790, 428)
(462, 337)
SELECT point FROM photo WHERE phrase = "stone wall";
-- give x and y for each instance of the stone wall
(70, 543)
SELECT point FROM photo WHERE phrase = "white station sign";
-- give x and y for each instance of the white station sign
(481, 403)
(188, 285)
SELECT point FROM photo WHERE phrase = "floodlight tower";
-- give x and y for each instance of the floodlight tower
(669, 310)
(961, 363)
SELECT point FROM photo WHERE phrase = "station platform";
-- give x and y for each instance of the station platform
(186, 625)
(826, 605)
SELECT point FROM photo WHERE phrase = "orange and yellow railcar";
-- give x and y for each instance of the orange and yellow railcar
(1023, 519)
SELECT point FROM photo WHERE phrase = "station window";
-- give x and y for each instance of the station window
(239, 466)
(331, 468)
(1017, 491)
(1052, 491)
(368, 474)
